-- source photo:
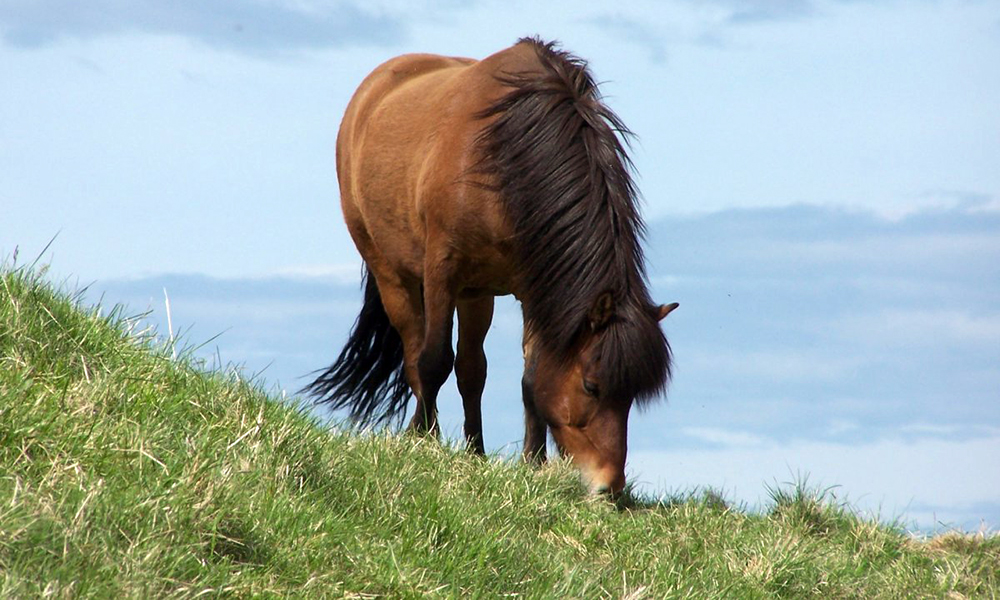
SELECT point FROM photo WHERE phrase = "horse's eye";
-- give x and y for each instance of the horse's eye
(591, 388)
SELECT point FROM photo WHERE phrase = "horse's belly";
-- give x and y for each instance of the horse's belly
(475, 293)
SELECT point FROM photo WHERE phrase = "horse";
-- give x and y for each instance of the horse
(462, 180)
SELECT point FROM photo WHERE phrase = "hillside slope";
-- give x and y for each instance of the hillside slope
(124, 472)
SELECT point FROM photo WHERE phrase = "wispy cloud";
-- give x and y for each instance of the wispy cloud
(756, 11)
(243, 25)
(634, 32)
(789, 365)
(922, 328)
(748, 12)
(721, 20)
(966, 201)
(725, 437)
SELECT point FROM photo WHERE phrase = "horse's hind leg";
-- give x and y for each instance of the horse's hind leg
(403, 307)
(436, 355)
(402, 303)
(474, 318)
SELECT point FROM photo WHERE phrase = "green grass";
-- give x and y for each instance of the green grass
(126, 473)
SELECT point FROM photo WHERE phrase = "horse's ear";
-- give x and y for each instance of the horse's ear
(602, 311)
(665, 309)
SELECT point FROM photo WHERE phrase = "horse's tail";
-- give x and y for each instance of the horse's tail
(367, 378)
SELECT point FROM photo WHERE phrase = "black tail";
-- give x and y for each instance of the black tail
(367, 377)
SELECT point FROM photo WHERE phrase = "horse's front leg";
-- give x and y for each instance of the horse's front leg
(436, 355)
(474, 318)
(534, 425)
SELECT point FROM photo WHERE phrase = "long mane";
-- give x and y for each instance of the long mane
(559, 162)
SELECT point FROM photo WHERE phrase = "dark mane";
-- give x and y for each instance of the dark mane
(557, 157)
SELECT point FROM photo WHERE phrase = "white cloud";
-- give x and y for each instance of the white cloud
(940, 430)
(777, 365)
(838, 427)
(920, 328)
(244, 25)
(724, 437)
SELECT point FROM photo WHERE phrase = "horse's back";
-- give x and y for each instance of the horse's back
(404, 157)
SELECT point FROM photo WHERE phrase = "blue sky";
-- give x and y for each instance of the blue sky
(820, 180)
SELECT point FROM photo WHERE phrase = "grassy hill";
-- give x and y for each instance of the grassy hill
(125, 472)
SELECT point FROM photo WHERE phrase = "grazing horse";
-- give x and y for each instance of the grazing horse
(461, 180)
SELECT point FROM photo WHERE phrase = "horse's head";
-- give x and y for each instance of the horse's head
(620, 357)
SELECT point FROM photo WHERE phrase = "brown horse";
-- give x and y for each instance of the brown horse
(461, 180)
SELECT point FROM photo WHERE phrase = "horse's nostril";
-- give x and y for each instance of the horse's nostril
(602, 490)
